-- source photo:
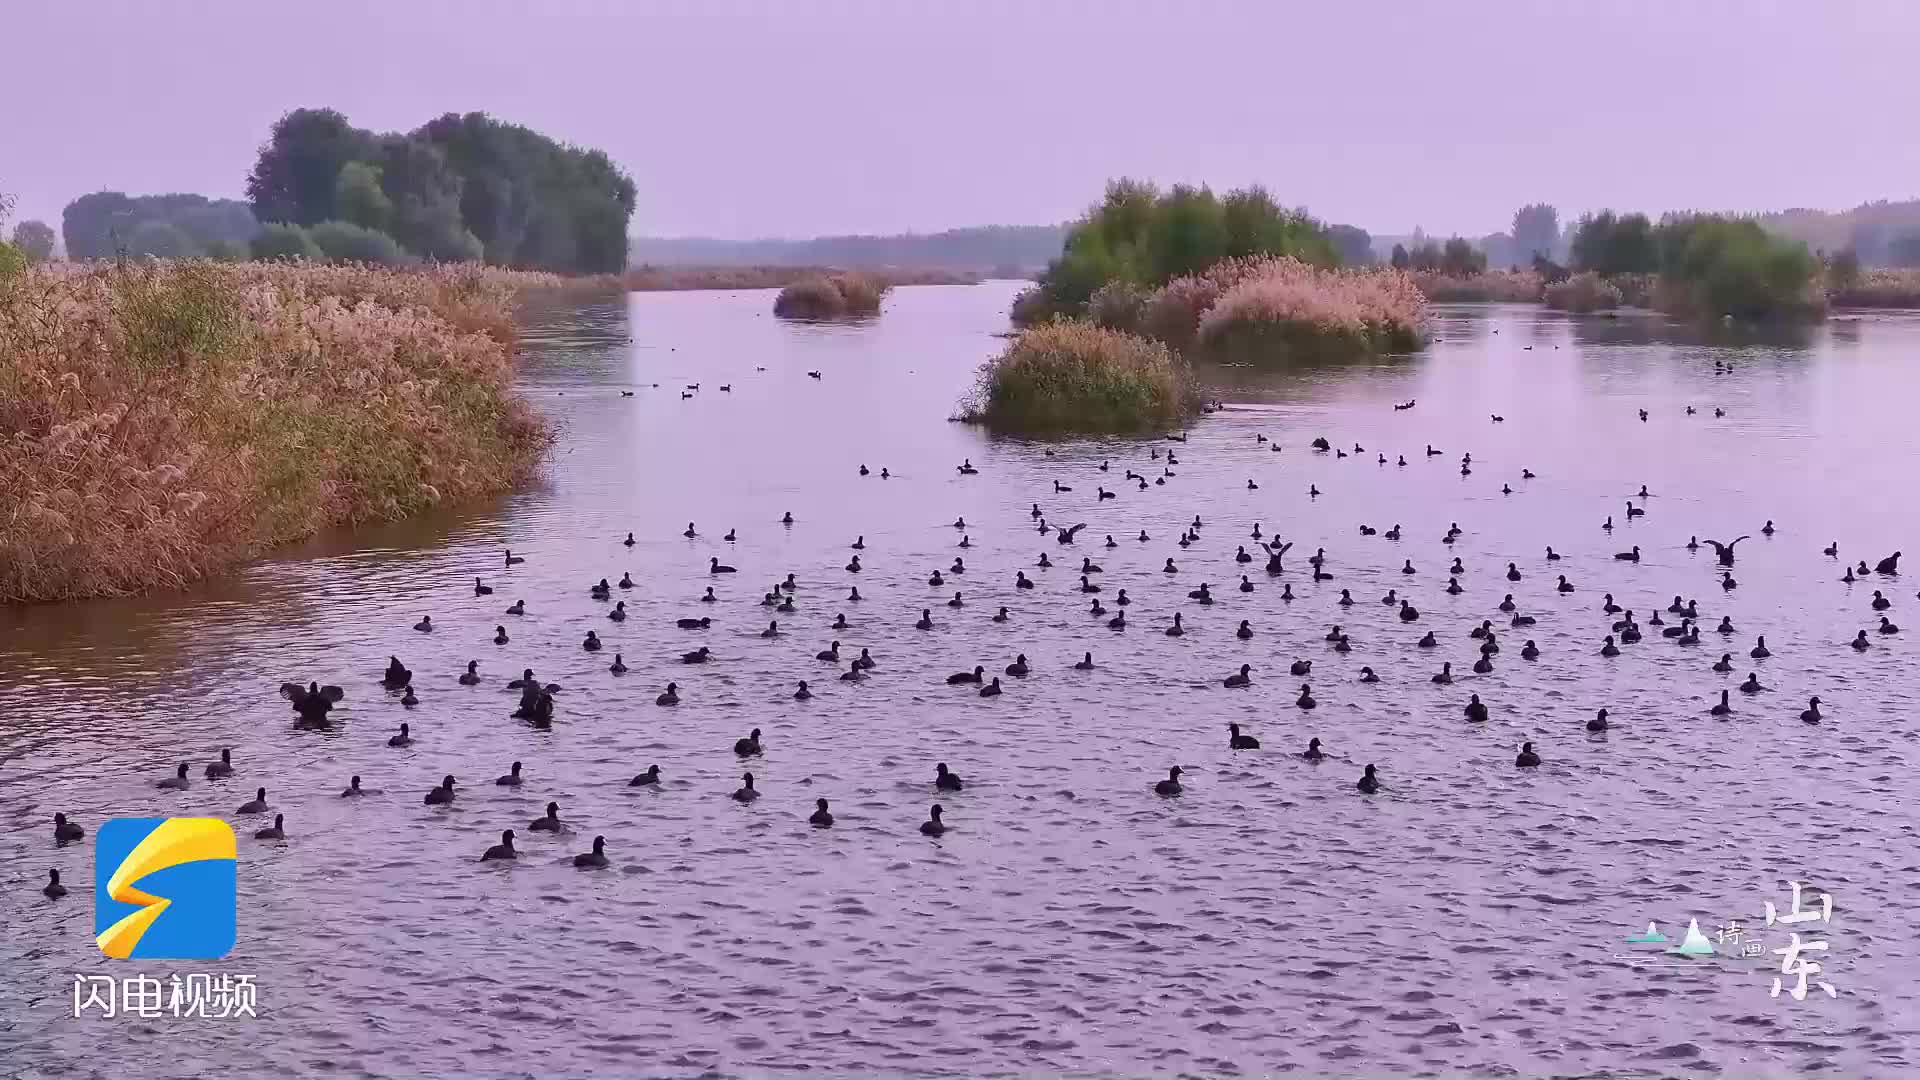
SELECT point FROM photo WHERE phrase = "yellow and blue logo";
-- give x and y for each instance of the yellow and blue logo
(165, 888)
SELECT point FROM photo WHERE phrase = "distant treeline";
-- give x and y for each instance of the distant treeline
(728, 278)
(1706, 264)
(457, 189)
(1535, 234)
(1701, 265)
(101, 225)
(1879, 233)
(1876, 234)
(1012, 250)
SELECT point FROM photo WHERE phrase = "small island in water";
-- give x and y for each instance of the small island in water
(1150, 279)
(831, 296)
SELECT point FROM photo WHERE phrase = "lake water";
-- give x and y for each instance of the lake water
(1470, 918)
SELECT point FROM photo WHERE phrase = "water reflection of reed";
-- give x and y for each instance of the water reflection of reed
(1643, 328)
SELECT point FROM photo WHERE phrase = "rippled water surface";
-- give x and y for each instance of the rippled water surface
(1470, 918)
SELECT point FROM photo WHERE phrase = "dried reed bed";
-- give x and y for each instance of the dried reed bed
(1288, 304)
(160, 422)
(831, 296)
(1491, 287)
(1119, 305)
(1583, 292)
(1878, 289)
(1069, 376)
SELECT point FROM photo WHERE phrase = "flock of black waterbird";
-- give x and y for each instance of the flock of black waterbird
(313, 702)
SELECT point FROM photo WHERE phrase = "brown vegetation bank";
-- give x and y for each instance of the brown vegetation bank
(163, 421)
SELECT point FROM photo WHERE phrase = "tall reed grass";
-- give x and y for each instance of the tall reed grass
(1118, 305)
(1287, 305)
(830, 296)
(1583, 292)
(160, 422)
(1878, 289)
(1490, 287)
(1069, 376)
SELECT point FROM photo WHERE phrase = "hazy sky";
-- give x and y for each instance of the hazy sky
(742, 119)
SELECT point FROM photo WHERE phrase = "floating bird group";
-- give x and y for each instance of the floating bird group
(314, 703)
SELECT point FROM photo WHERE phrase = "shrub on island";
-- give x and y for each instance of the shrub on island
(830, 296)
(1072, 377)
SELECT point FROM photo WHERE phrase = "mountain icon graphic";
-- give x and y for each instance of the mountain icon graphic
(1695, 943)
(1653, 934)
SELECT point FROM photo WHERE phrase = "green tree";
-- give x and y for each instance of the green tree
(1123, 220)
(1258, 225)
(1536, 229)
(358, 197)
(1635, 250)
(343, 241)
(1459, 258)
(1085, 265)
(226, 251)
(294, 177)
(1143, 237)
(162, 240)
(1593, 240)
(1903, 249)
(600, 234)
(1843, 269)
(1186, 234)
(1726, 266)
(95, 225)
(12, 259)
(1868, 240)
(1426, 256)
(425, 193)
(532, 201)
(227, 221)
(1608, 244)
(1496, 249)
(99, 225)
(459, 187)
(280, 240)
(1400, 259)
(1352, 245)
(34, 239)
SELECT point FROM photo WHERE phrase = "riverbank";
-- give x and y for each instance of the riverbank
(168, 421)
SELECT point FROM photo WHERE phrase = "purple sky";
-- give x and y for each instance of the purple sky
(743, 119)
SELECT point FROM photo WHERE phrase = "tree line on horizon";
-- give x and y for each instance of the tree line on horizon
(459, 188)
(1882, 233)
(1535, 240)
(1003, 250)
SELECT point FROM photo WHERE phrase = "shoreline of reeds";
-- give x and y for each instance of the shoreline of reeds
(1119, 363)
(1583, 293)
(1486, 287)
(1289, 306)
(167, 421)
(1879, 288)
